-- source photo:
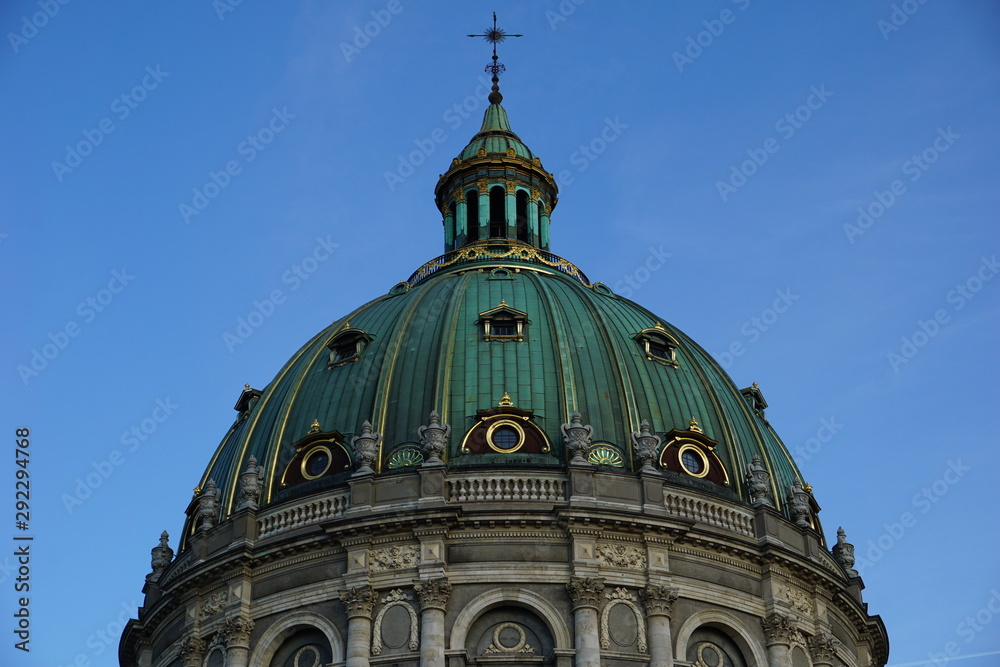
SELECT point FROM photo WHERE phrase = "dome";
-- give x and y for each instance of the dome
(426, 346)
(536, 467)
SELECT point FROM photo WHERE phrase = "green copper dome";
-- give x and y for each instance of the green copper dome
(423, 347)
(505, 342)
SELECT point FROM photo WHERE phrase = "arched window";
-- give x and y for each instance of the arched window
(708, 646)
(307, 648)
(498, 219)
(522, 216)
(472, 214)
(509, 635)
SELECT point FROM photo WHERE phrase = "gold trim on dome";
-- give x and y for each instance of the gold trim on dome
(505, 401)
(486, 250)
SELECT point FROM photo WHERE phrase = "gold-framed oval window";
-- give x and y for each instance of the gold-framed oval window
(505, 436)
(693, 461)
(317, 462)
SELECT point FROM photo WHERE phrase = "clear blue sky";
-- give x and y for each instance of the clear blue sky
(739, 137)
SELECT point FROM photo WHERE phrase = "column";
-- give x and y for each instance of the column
(510, 210)
(659, 601)
(823, 647)
(449, 231)
(236, 633)
(543, 233)
(779, 630)
(433, 594)
(192, 651)
(586, 595)
(359, 601)
(484, 212)
(461, 218)
(533, 222)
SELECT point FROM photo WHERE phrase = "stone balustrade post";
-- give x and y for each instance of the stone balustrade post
(586, 595)
(433, 594)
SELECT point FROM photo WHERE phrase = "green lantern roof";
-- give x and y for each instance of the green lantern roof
(496, 137)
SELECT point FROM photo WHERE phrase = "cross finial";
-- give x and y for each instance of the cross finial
(494, 36)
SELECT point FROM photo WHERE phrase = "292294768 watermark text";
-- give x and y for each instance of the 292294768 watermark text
(22, 540)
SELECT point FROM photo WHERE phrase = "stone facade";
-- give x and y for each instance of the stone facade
(610, 573)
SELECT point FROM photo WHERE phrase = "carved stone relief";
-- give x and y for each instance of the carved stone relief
(514, 641)
(621, 555)
(393, 558)
(395, 598)
(622, 596)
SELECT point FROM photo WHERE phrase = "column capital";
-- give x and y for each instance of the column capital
(360, 601)
(433, 593)
(585, 591)
(191, 651)
(659, 600)
(236, 632)
(823, 647)
(780, 629)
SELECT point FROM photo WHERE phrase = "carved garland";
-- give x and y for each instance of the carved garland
(522, 645)
(396, 598)
(214, 603)
(393, 558)
(621, 555)
(482, 250)
(622, 596)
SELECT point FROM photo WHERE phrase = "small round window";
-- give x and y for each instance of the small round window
(316, 463)
(693, 461)
(505, 436)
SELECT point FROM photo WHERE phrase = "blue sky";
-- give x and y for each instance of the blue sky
(835, 161)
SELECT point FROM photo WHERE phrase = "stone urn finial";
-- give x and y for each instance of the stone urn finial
(434, 438)
(798, 501)
(647, 446)
(160, 556)
(577, 438)
(759, 483)
(251, 483)
(843, 552)
(366, 449)
(208, 505)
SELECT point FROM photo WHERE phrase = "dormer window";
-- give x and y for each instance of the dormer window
(503, 323)
(658, 345)
(347, 346)
(503, 327)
